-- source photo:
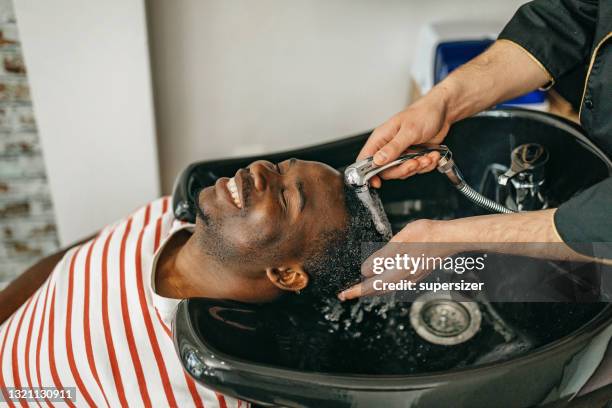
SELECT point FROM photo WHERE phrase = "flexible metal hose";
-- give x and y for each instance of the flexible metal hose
(482, 201)
(357, 175)
(447, 166)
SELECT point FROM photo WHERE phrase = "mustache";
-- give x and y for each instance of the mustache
(247, 188)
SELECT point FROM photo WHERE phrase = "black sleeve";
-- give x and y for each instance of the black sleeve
(558, 33)
(587, 219)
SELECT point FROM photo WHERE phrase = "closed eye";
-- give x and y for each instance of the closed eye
(284, 198)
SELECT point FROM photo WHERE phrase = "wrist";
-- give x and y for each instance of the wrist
(428, 231)
(456, 232)
(447, 92)
(441, 237)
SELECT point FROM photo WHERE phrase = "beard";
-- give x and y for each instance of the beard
(212, 232)
(211, 238)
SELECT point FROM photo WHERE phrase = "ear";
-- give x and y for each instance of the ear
(293, 278)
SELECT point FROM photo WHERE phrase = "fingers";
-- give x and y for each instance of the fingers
(394, 147)
(353, 292)
(364, 288)
(376, 182)
(402, 171)
(384, 252)
(411, 167)
(404, 242)
(379, 137)
(375, 285)
(368, 287)
(421, 122)
(434, 157)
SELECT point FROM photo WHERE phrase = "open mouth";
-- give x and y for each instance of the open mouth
(233, 189)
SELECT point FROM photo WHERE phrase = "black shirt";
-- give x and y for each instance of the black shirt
(572, 40)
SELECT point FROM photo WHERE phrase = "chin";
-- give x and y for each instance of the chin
(203, 212)
(206, 202)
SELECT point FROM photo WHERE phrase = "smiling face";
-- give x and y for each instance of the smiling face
(270, 215)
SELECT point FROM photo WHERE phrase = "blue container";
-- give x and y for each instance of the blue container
(452, 54)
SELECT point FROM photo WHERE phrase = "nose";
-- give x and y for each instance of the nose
(263, 173)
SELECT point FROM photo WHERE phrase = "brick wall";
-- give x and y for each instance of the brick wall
(27, 226)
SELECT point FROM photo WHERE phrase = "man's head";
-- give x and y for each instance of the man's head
(293, 224)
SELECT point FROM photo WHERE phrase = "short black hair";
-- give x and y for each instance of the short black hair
(336, 261)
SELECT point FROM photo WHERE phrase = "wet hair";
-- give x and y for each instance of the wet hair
(337, 258)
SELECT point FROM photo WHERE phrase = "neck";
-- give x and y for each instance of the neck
(185, 271)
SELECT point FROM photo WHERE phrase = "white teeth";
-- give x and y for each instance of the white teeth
(233, 189)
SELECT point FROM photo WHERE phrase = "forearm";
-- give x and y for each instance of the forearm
(534, 226)
(502, 72)
(530, 234)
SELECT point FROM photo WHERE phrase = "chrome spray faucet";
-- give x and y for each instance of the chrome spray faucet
(358, 174)
(527, 177)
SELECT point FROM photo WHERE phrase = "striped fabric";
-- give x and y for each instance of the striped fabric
(97, 325)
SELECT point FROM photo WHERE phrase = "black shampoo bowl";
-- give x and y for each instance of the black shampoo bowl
(280, 355)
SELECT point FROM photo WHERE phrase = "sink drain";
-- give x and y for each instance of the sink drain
(443, 319)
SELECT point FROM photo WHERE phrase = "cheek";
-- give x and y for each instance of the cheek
(258, 229)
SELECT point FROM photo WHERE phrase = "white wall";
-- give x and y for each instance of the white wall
(230, 77)
(88, 66)
(240, 76)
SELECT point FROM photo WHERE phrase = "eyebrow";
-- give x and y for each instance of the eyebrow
(300, 189)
